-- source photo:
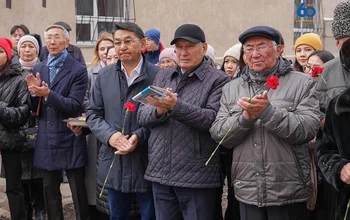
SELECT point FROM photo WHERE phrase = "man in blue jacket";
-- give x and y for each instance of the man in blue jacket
(128, 151)
(58, 90)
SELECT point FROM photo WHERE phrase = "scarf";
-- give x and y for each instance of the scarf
(56, 62)
(28, 65)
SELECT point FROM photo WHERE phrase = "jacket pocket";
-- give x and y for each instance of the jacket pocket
(297, 164)
(105, 153)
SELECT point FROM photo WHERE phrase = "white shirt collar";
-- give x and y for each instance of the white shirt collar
(134, 74)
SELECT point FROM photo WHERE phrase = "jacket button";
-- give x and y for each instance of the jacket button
(48, 122)
(257, 174)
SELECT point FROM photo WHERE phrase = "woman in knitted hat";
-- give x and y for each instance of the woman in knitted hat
(14, 113)
(230, 63)
(303, 47)
(28, 48)
(167, 58)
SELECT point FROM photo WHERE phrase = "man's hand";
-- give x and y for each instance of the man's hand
(322, 123)
(164, 104)
(76, 129)
(133, 141)
(40, 90)
(253, 107)
(33, 80)
(119, 141)
(345, 174)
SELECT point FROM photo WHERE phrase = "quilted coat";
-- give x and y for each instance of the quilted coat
(180, 142)
(270, 160)
(14, 109)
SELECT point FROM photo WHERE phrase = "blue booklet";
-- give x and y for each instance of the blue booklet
(154, 91)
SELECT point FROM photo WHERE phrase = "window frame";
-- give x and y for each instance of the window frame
(93, 21)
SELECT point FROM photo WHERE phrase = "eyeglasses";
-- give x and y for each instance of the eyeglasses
(260, 49)
(128, 42)
(56, 38)
(309, 68)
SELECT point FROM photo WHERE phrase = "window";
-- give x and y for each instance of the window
(94, 16)
(308, 17)
(8, 4)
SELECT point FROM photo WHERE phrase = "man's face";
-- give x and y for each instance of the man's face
(260, 53)
(16, 36)
(127, 46)
(189, 54)
(151, 45)
(341, 41)
(55, 41)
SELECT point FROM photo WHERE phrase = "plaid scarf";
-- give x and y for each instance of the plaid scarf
(56, 62)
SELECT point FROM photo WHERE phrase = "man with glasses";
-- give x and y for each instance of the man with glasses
(115, 85)
(180, 143)
(271, 130)
(58, 88)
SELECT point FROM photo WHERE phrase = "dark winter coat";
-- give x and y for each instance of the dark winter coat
(14, 109)
(180, 142)
(334, 151)
(105, 116)
(57, 147)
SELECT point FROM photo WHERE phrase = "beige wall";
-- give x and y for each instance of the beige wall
(222, 20)
(35, 17)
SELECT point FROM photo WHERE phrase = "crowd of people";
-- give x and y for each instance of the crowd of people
(272, 130)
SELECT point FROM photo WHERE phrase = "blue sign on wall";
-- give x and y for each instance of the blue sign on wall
(306, 11)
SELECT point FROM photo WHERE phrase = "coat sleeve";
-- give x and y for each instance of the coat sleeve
(87, 93)
(95, 115)
(230, 119)
(16, 116)
(329, 159)
(196, 116)
(74, 101)
(299, 125)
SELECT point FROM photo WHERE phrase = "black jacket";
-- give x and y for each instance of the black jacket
(14, 109)
(334, 151)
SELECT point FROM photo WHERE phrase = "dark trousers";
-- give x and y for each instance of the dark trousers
(12, 161)
(53, 198)
(120, 203)
(296, 211)
(176, 203)
(232, 210)
(33, 196)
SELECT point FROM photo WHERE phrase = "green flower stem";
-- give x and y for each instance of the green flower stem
(229, 130)
(320, 75)
(347, 209)
(110, 167)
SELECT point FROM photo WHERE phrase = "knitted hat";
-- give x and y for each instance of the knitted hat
(29, 38)
(210, 53)
(154, 35)
(341, 20)
(6, 44)
(310, 39)
(234, 51)
(168, 52)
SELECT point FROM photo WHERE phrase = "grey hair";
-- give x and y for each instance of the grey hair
(274, 45)
(66, 33)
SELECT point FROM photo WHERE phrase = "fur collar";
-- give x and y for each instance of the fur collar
(342, 103)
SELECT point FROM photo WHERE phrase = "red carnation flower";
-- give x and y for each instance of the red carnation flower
(130, 106)
(316, 71)
(272, 82)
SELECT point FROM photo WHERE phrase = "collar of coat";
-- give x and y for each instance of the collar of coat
(12, 69)
(342, 103)
(283, 68)
(143, 66)
(199, 71)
